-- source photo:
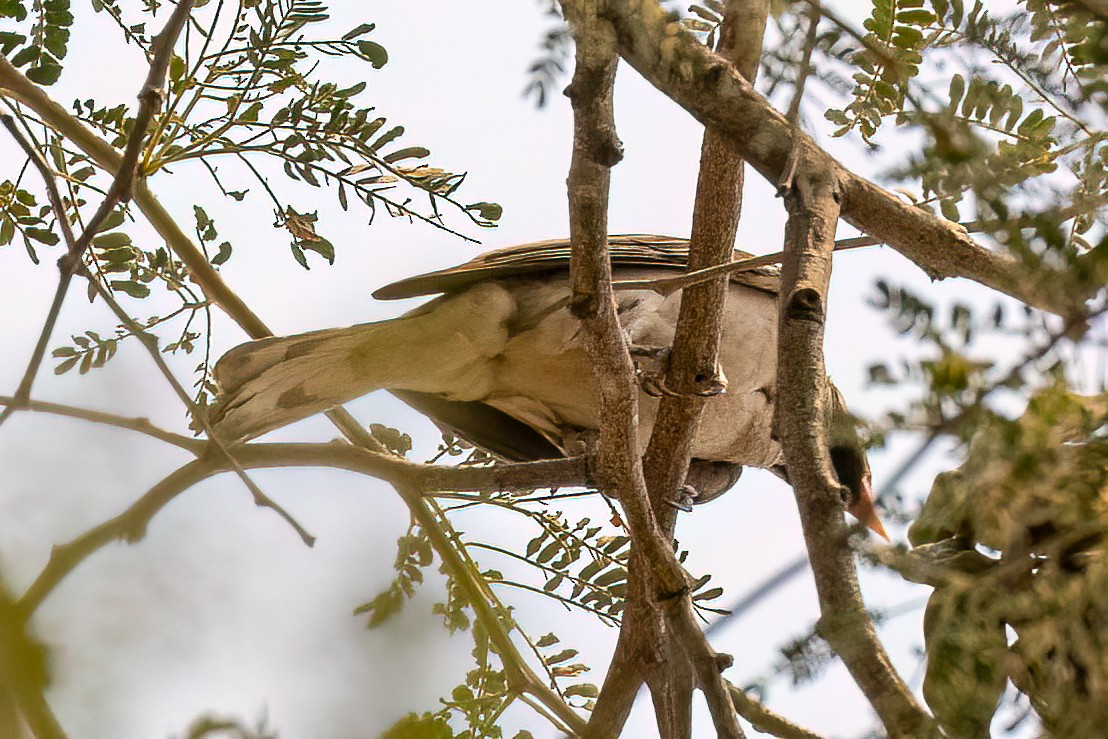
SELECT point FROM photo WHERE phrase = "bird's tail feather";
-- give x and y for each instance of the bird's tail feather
(443, 347)
(273, 382)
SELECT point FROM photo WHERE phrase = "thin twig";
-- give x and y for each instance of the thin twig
(668, 285)
(793, 114)
(120, 191)
(141, 425)
(131, 524)
(149, 341)
(23, 391)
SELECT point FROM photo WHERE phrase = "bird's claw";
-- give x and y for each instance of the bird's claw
(651, 366)
(686, 496)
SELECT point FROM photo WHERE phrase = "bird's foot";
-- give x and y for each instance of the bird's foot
(651, 364)
(585, 443)
(711, 478)
(686, 496)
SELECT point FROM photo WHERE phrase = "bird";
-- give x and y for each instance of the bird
(498, 360)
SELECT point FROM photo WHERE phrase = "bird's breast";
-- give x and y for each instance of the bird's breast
(543, 376)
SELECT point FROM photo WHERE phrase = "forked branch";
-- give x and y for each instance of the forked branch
(595, 150)
(714, 93)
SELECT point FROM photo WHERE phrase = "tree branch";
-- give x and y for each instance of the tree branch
(765, 720)
(131, 525)
(812, 196)
(16, 85)
(141, 425)
(150, 99)
(73, 261)
(717, 95)
(693, 374)
(595, 150)
(24, 678)
(412, 481)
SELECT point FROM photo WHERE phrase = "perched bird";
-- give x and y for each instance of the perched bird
(498, 359)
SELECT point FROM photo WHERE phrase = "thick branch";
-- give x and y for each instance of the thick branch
(595, 150)
(694, 375)
(718, 96)
(812, 197)
(765, 720)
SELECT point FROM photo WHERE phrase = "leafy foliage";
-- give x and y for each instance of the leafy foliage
(1016, 538)
(550, 67)
(250, 90)
(256, 98)
(1076, 40)
(21, 213)
(889, 60)
(413, 554)
(600, 584)
(480, 700)
(45, 44)
(958, 160)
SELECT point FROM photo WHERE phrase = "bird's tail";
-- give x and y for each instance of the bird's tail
(273, 382)
(442, 347)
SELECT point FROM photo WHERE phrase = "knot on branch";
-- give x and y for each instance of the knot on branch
(805, 304)
(708, 384)
(153, 95)
(673, 597)
(606, 149)
(584, 304)
(724, 661)
(71, 264)
(713, 73)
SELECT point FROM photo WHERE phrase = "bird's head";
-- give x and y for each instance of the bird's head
(848, 459)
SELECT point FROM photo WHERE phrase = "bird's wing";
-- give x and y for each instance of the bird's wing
(482, 425)
(629, 250)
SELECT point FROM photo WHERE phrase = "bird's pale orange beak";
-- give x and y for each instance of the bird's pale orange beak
(864, 509)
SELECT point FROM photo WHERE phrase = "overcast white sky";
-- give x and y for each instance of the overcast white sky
(221, 607)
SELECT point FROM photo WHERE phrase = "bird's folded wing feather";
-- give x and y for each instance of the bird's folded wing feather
(627, 251)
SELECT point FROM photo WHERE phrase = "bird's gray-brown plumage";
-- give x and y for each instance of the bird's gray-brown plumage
(498, 358)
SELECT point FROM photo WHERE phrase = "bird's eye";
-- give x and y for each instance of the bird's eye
(849, 468)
